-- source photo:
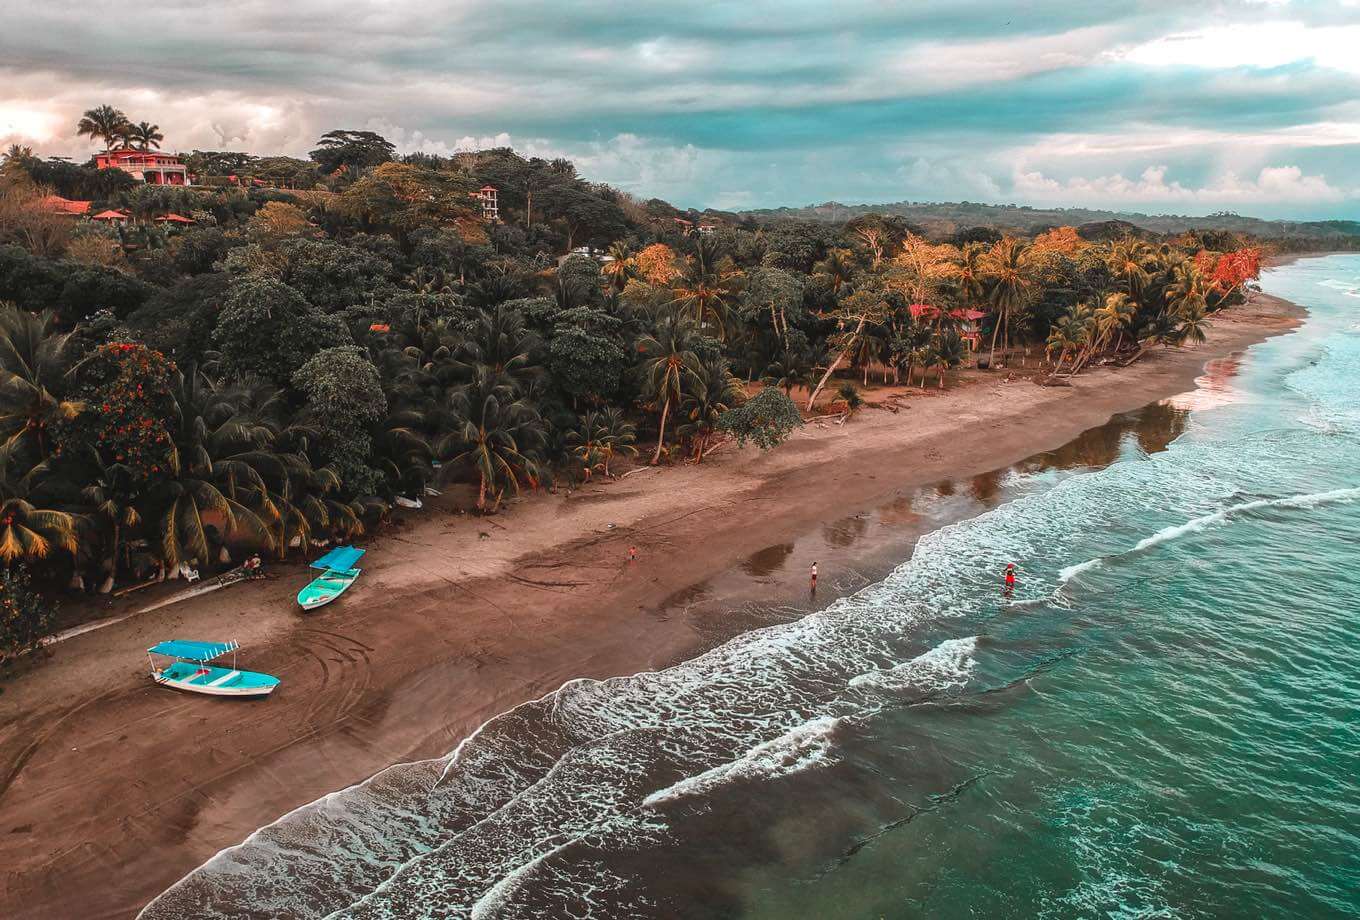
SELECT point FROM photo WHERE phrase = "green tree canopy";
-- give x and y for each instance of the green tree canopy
(766, 419)
(266, 328)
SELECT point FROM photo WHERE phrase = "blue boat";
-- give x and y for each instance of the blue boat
(337, 574)
(190, 670)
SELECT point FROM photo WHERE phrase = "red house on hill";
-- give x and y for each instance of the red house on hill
(150, 167)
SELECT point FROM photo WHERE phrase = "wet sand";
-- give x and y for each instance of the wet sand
(112, 788)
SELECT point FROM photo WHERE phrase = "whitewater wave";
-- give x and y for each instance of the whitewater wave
(1309, 500)
(947, 666)
(806, 746)
(534, 789)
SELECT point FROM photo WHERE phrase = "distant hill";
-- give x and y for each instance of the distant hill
(945, 218)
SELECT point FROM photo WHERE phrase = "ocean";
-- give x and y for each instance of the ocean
(1162, 721)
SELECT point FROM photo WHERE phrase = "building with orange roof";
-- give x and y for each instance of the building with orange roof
(150, 167)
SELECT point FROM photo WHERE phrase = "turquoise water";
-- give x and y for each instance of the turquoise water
(1164, 721)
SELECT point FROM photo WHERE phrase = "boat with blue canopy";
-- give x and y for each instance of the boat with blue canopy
(337, 574)
(190, 670)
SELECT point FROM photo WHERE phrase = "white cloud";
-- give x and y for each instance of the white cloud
(1257, 44)
(1272, 185)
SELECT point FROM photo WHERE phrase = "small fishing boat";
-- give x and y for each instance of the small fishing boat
(337, 574)
(190, 670)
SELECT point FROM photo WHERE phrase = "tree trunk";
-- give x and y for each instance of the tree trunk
(481, 493)
(113, 558)
(837, 363)
(528, 209)
(996, 330)
(661, 435)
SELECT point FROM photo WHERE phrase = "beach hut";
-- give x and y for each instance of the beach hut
(174, 219)
(111, 217)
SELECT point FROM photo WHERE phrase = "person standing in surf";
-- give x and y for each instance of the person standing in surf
(1010, 579)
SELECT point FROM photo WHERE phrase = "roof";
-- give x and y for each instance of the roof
(193, 651)
(65, 205)
(967, 314)
(111, 215)
(342, 557)
(175, 219)
(919, 310)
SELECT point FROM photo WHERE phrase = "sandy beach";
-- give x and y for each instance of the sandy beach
(111, 788)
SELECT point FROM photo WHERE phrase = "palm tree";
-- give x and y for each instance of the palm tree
(1126, 260)
(1007, 268)
(703, 289)
(788, 371)
(1113, 317)
(598, 436)
(26, 531)
(619, 268)
(114, 495)
(497, 436)
(33, 360)
(838, 267)
(1193, 324)
(715, 392)
(214, 474)
(103, 123)
(501, 343)
(1187, 292)
(949, 353)
(668, 365)
(144, 135)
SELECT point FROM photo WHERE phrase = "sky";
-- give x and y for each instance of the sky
(1251, 106)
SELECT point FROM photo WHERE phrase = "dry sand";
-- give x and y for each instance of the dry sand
(112, 788)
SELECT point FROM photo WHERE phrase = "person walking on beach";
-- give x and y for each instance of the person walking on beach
(814, 576)
(632, 554)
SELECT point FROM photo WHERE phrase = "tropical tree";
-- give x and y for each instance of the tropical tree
(669, 365)
(33, 360)
(113, 493)
(599, 436)
(950, 352)
(104, 123)
(28, 532)
(496, 435)
(1127, 260)
(144, 135)
(855, 311)
(767, 418)
(1007, 270)
(715, 392)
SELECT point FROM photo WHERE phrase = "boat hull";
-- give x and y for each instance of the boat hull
(322, 590)
(211, 681)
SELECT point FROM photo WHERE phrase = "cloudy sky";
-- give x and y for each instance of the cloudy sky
(1182, 107)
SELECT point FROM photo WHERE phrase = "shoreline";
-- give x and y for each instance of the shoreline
(463, 618)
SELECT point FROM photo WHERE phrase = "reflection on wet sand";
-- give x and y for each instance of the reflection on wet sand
(771, 584)
(767, 561)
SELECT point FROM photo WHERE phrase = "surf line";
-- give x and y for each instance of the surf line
(1195, 525)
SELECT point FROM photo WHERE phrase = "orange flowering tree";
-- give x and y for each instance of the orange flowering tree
(128, 400)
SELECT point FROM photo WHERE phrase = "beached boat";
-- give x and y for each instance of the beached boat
(337, 574)
(190, 670)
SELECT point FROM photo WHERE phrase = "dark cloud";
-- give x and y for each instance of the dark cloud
(756, 103)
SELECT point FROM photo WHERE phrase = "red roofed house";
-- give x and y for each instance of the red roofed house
(59, 205)
(173, 219)
(111, 216)
(151, 167)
